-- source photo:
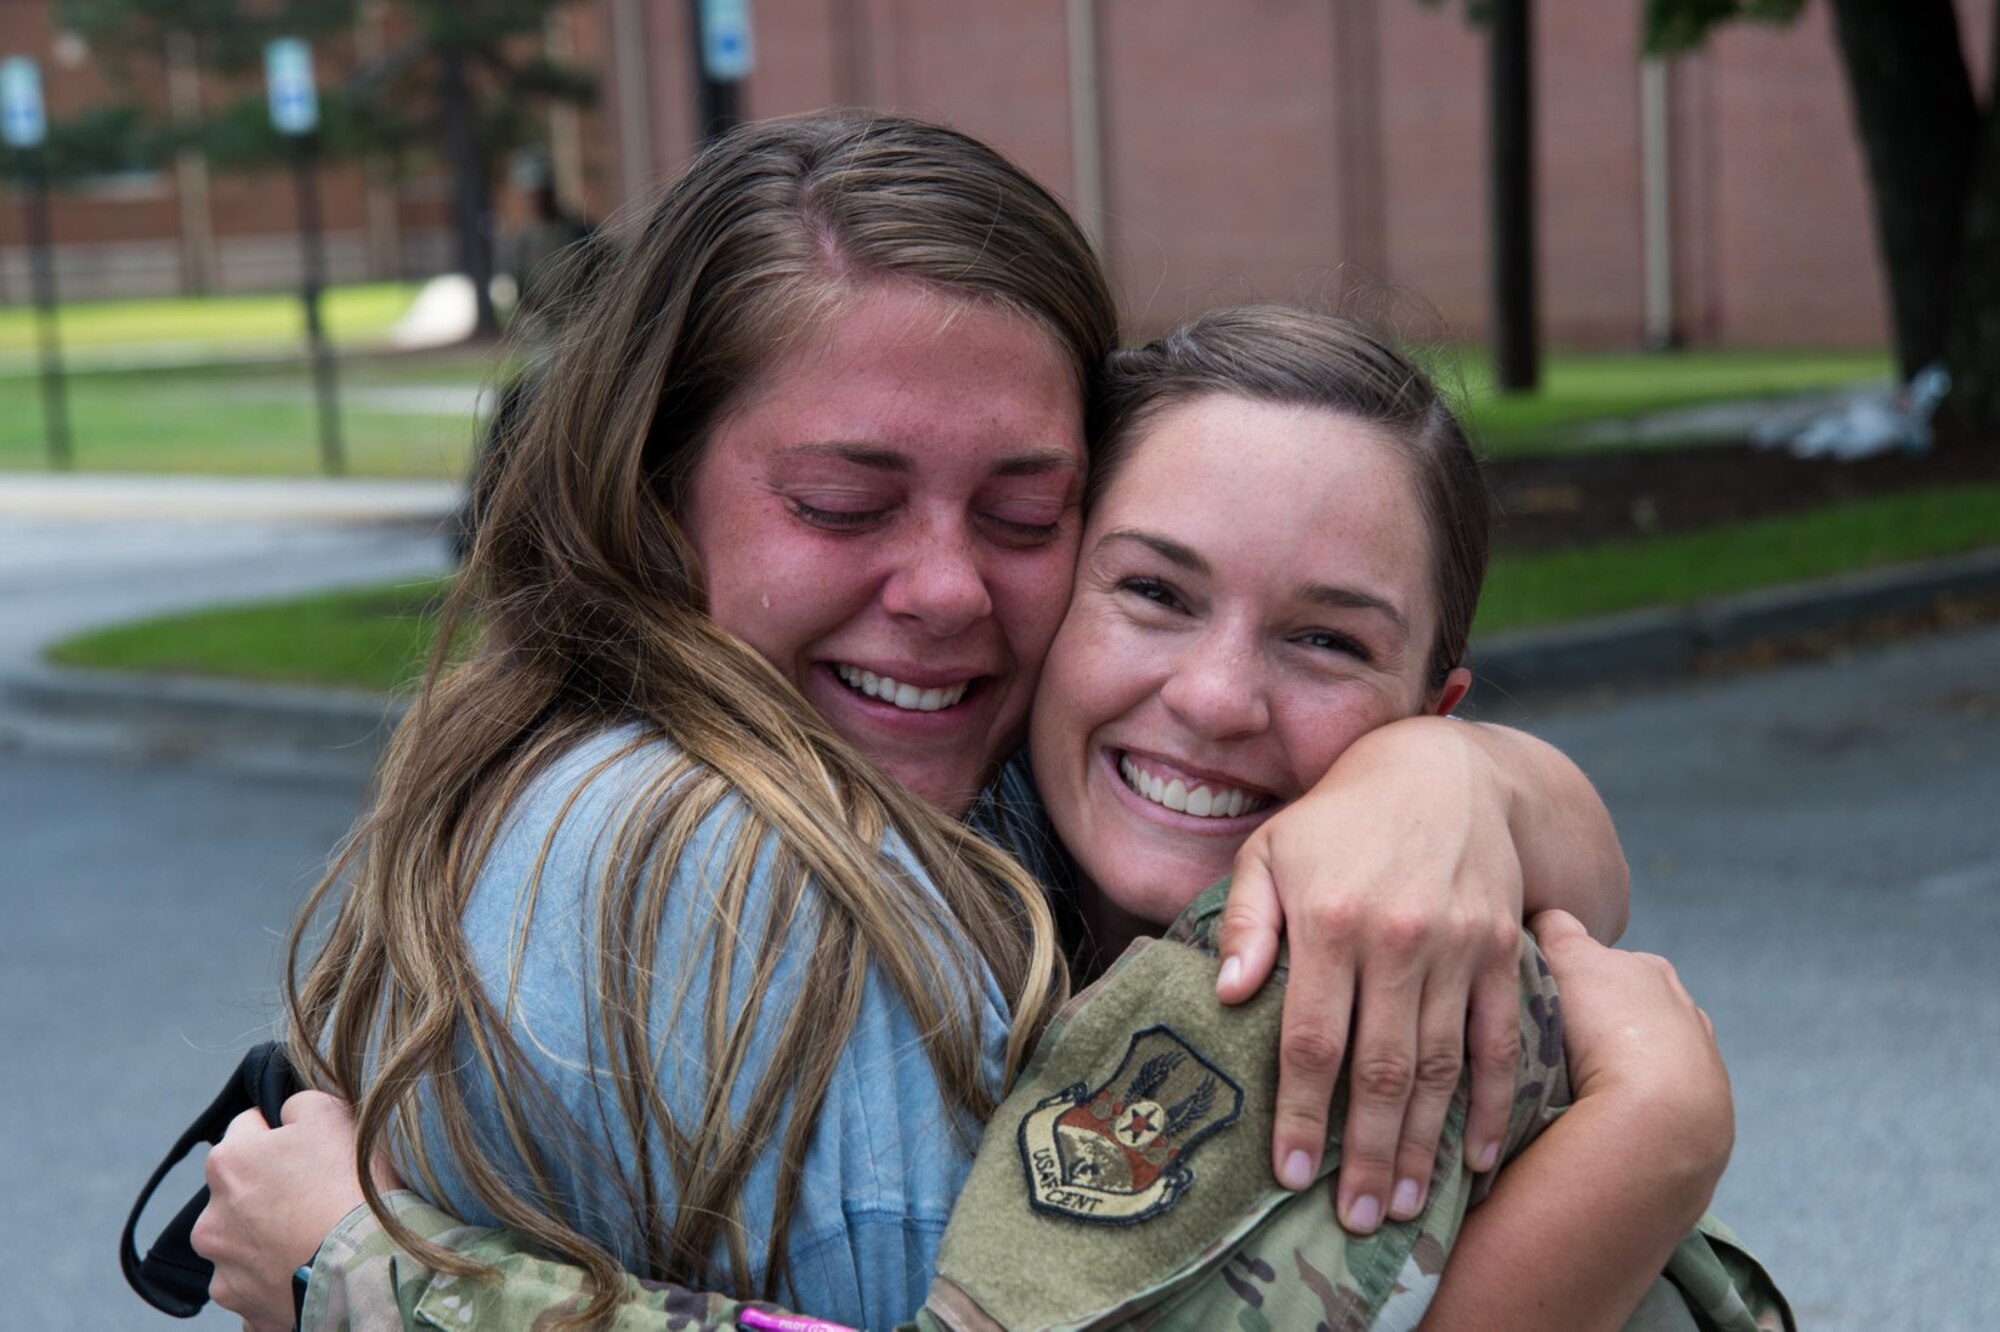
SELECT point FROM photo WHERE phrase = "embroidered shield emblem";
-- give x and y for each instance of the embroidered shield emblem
(1117, 1153)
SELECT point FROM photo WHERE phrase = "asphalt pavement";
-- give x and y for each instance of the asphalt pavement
(1818, 850)
(147, 907)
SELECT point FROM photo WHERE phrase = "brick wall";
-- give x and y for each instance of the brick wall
(1286, 148)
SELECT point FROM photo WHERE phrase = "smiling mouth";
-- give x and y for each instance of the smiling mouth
(908, 697)
(1204, 800)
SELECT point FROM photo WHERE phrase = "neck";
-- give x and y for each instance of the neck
(1108, 929)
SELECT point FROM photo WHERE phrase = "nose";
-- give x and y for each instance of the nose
(1216, 687)
(938, 584)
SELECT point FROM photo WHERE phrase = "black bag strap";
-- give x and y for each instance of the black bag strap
(172, 1277)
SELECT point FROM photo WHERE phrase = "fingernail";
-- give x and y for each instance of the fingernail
(1488, 1156)
(1297, 1172)
(1365, 1215)
(1408, 1200)
(1230, 971)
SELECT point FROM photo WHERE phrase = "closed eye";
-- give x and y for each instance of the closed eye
(836, 520)
(1025, 533)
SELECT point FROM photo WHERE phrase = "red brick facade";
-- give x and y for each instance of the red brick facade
(1288, 148)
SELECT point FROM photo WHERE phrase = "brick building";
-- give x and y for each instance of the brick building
(1287, 148)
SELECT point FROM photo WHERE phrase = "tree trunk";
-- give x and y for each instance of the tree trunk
(1919, 126)
(1975, 310)
(1517, 353)
(472, 200)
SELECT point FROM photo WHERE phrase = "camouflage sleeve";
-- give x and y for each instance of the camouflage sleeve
(1713, 1284)
(362, 1282)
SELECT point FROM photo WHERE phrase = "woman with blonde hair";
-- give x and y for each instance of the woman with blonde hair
(663, 944)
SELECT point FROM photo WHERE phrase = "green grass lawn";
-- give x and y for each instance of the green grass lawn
(1578, 389)
(378, 638)
(1621, 576)
(362, 313)
(405, 416)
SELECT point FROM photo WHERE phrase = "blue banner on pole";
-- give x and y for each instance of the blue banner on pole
(23, 122)
(726, 50)
(288, 83)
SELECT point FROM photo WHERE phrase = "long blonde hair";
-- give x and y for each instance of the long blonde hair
(593, 615)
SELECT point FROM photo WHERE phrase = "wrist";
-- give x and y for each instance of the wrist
(1442, 761)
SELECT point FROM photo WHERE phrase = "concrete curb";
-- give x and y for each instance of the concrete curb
(273, 728)
(1660, 644)
(347, 730)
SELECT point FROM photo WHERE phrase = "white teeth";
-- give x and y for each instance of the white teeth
(905, 696)
(1217, 802)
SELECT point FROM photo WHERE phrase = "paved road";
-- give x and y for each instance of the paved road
(145, 912)
(1817, 848)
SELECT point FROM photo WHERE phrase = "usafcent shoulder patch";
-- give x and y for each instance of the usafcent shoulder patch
(1117, 1153)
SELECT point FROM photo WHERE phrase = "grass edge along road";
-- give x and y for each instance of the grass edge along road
(378, 638)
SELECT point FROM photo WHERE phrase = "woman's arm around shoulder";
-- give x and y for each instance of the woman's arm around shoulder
(362, 1282)
(1403, 877)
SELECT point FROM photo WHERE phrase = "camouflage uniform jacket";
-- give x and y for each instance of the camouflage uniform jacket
(1124, 1182)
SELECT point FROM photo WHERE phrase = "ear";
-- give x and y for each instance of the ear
(1456, 686)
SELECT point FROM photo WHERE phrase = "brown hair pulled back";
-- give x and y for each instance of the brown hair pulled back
(593, 614)
(1300, 358)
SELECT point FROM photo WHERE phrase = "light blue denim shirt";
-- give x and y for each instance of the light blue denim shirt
(886, 1157)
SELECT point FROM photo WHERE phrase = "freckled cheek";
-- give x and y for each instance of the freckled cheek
(1031, 605)
(1315, 736)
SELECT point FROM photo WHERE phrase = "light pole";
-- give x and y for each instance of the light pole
(1517, 352)
(288, 76)
(26, 127)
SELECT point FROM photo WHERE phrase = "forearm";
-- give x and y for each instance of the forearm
(1578, 1228)
(362, 1282)
(1570, 856)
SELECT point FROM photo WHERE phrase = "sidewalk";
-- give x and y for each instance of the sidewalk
(272, 499)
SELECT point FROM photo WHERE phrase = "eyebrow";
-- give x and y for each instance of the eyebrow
(1317, 594)
(1036, 462)
(1173, 552)
(861, 455)
(1349, 598)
